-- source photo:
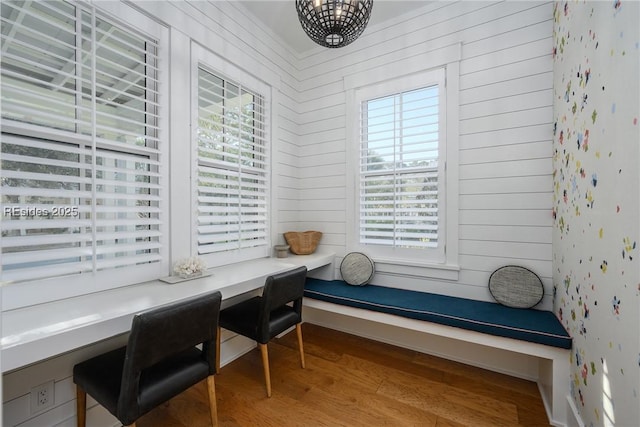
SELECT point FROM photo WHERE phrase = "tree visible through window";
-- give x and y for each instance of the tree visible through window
(399, 170)
(232, 167)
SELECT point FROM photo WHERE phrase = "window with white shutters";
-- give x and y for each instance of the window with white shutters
(401, 170)
(232, 171)
(80, 170)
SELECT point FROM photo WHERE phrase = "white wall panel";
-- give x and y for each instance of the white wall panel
(318, 217)
(322, 159)
(505, 233)
(505, 153)
(506, 104)
(327, 113)
(509, 120)
(507, 250)
(310, 184)
(502, 137)
(517, 86)
(320, 171)
(310, 105)
(324, 125)
(522, 217)
(336, 134)
(323, 193)
(482, 263)
(528, 67)
(518, 184)
(525, 167)
(325, 147)
(515, 35)
(507, 201)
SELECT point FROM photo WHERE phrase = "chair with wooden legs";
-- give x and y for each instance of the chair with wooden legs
(264, 317)
(160, 361)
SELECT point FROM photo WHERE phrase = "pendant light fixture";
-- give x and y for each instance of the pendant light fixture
(334, 23)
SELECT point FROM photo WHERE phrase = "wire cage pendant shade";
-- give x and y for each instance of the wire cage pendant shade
(334, 23)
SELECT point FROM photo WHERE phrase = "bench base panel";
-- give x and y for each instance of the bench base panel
(547, 366)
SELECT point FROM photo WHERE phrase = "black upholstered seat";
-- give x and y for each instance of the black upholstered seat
(262, 318)
(160, 361)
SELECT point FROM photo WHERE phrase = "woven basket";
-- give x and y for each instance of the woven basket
(303, 242)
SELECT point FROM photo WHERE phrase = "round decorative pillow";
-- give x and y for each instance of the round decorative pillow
(516, 287)
(357, 269)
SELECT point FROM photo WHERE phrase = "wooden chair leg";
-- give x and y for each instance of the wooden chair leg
(265, 364)
(218, 351)
(299, 333)
(213, 408)
(81, 407)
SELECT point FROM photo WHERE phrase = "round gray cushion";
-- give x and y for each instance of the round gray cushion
(516, 287)
(357, 269)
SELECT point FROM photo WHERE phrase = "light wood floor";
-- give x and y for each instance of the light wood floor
(352, 381)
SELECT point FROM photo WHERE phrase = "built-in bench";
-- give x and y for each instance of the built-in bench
(534, 326)
(527, 331)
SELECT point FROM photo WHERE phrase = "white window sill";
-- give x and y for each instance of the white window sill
(35, 333)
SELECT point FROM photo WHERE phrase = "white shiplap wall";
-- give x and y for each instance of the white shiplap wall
(505, 127)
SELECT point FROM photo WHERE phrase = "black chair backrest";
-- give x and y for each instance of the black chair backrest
(279, 290)
(161, 332)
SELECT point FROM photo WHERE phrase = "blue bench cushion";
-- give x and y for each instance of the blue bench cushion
(536, 326)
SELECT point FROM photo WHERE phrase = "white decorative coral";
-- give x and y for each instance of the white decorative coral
(189, 267)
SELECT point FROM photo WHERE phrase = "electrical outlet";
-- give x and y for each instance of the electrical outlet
(42, 397)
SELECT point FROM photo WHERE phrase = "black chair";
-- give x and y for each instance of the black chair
(262, 318)
(160, 361)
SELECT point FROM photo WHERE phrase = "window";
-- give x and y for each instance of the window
(232, 170)
(401, 169)
(81, 168)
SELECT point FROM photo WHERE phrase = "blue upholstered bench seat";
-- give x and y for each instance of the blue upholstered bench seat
(536, 326)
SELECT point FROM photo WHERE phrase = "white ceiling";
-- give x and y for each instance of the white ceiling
(281, 17)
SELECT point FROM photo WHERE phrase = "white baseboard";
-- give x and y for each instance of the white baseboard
(573, 415)
(547, 407)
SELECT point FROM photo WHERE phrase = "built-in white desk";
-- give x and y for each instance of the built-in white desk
(38, 332)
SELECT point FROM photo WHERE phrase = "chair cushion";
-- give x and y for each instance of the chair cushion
(242, 318)
(281, 319)
(159, 382)
(537, 326)
(101, 377)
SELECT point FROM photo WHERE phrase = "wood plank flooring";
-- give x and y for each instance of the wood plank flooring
(352, 381)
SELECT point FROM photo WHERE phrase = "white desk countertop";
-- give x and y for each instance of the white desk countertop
(38, 332)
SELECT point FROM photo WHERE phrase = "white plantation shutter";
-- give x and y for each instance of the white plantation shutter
(62, 64)
(400, 169)
(80, 172)
(233, 179)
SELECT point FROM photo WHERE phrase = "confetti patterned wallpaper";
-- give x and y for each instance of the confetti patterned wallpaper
(596, 257)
